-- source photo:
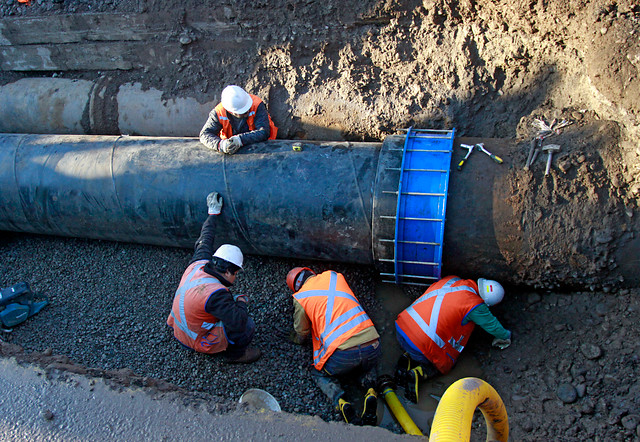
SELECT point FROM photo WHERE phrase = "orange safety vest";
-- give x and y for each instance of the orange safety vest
(334, 311)
(227, 131)
(433, 323)
(191, 324)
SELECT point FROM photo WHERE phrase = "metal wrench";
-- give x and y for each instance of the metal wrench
(495, 158)
(470, 149)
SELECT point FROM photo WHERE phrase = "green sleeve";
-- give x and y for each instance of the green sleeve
(483, 317)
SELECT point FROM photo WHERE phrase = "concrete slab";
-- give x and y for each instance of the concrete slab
(55, 406)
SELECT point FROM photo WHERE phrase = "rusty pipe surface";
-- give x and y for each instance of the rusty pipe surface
(314, 204)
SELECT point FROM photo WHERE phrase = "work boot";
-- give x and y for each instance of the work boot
(348, 412)
(250, 355)
(412, 383)
(402, 367)
(370, 408)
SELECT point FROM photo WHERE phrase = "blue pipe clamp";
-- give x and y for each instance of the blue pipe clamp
(421, 205)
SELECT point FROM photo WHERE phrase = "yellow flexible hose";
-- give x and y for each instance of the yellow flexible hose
(452, 421)
(400, 413)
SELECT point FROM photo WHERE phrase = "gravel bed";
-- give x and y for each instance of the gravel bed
(571, 373)
(110, 301)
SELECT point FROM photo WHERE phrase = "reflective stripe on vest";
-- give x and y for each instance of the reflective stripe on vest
(430, 329)
(334, 328)
(182, 321)
(227, 131)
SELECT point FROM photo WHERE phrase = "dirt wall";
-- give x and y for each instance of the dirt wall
(487, 68)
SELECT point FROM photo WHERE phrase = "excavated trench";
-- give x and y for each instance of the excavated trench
(319, 206)
(359, 77)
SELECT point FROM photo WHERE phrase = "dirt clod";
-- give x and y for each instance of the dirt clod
(591, 351)
(567, 393)
(47, 414)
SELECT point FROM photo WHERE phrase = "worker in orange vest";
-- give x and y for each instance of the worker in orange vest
(238, 120)
(205, 316)
(435, 328)
(344, 338)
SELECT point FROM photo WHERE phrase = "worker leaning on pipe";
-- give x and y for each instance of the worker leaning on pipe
(238, 120)
(205, 317)
(344, 338)
(435, 328)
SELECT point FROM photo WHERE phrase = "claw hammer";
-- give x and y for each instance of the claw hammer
(550, 149)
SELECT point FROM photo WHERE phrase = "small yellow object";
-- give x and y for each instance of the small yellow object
(297, 147)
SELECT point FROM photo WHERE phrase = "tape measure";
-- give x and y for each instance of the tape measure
(297, 147)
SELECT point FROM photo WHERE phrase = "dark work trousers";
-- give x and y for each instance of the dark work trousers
(241, 340)
(410, 347)
(359, 359)
(416, 355)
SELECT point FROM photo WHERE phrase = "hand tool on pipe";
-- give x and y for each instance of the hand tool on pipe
(550, 149)
(495, 158)
(544, 130)
(470, 149)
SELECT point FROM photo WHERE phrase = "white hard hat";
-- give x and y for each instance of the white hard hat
(230, 253)
(236, 100)
(491, 291)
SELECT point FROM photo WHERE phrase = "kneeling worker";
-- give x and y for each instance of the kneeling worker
(435, 328)
(205, 316)
(238, 120)
(344, 338)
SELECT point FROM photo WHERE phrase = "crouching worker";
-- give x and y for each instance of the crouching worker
(435, 328)
(239, 120)
(205, 316)
(345, 342)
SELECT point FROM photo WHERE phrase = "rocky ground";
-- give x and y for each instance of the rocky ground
(571, 373)
(100, 318)
(571, 376)
(487, 68)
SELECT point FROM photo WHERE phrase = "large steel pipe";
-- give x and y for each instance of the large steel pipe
(64, 106)
(314, 204)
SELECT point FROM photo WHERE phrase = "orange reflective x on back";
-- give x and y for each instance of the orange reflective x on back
(192, 325)
(343, 315)
(433, 323)
(430, 329)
